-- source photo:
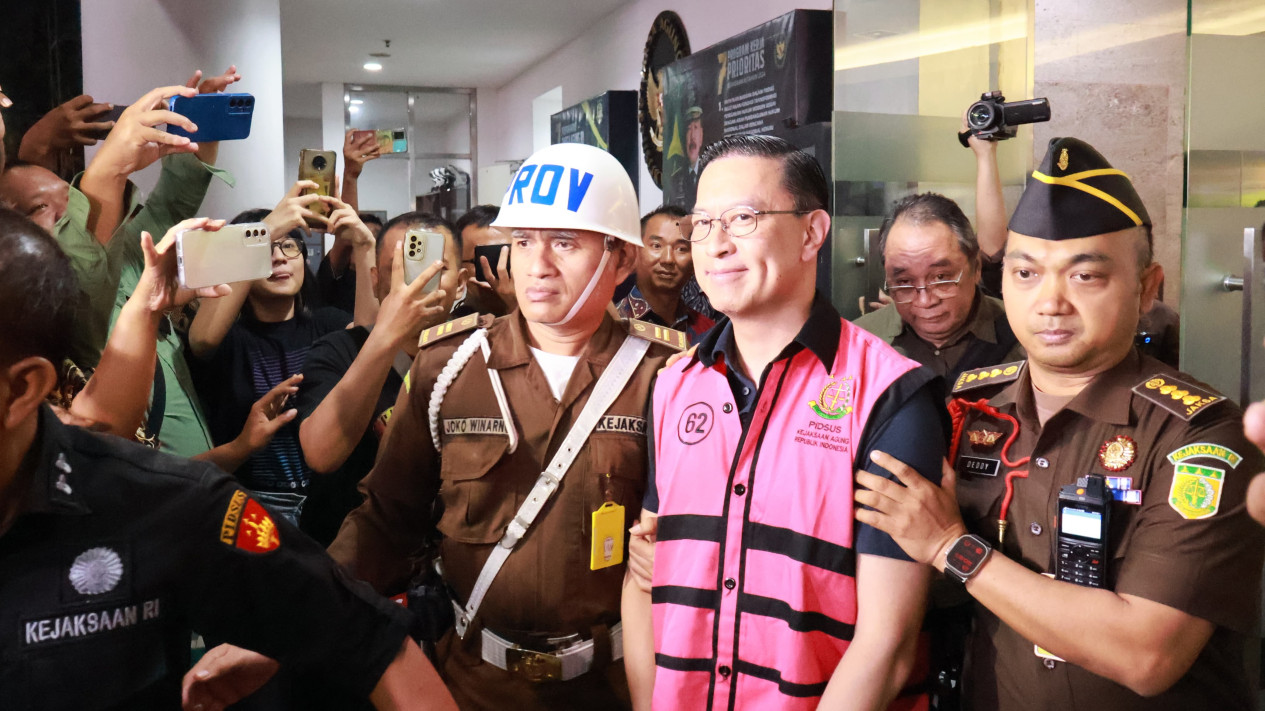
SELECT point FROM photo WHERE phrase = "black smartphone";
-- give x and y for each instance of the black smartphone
(493, 253)
(111, 115)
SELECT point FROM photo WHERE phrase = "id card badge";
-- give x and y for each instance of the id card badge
(608, 536)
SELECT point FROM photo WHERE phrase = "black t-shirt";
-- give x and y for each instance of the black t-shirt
(339, 292)
(254, 358)
(119, 551)
(332, 496)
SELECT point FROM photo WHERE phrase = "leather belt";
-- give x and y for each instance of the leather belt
(561, 665)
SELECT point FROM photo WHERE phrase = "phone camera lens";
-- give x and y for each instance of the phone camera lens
(319, 162)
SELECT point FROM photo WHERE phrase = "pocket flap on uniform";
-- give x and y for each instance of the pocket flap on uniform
(470, 456)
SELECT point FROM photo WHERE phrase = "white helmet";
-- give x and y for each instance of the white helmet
(572, 186)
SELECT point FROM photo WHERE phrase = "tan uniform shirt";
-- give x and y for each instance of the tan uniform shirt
(545, 587)
(1208, 566)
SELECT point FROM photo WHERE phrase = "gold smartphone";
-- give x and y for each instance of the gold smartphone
(318, 167)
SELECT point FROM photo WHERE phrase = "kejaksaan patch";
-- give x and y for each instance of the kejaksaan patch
(1196, 490)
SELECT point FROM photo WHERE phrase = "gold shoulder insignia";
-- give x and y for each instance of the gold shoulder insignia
(992, 375)
(659, 334)
(1176, 395)
(438, 333)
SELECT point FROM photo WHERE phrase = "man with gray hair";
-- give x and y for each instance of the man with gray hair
(939, 316)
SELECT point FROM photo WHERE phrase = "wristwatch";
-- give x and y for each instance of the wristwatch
(965, 557)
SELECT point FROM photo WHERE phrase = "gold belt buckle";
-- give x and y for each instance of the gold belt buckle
(533, 666)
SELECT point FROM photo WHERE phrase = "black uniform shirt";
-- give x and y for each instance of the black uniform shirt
(118, 552)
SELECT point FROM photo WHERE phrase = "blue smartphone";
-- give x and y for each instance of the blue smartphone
(219, 117)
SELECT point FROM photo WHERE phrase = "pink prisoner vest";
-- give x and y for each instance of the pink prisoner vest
(754, 588)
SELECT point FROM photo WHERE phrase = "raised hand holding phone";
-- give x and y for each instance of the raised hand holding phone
(159, 284)
(219, 254)
(409, 308)
(499, 279)
(359, 147)
(78, 122)
(422, 247)
(136, 142)
(295, 209)
(317, 167)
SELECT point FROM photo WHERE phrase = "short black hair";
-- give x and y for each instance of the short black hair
(669, 209)
(802, 175)
(477, 216)
(418, 219)
(930, 208)
(309, 297)
(370, 219)
(39, 291)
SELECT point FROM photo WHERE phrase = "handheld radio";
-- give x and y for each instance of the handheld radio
(1083, 515)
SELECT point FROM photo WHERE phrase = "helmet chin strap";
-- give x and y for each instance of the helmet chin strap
(588, 290)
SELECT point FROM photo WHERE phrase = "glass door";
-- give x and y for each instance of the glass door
(428, 146)
(1223, 318)
(905, 70)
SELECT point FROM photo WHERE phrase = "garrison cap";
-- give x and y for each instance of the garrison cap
(1076, 193)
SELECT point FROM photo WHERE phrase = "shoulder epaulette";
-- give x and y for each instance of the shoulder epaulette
(434, 334)
(1176, 395)
(992, 375)
(659, 334)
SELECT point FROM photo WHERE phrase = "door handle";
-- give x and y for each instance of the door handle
(1251, 286)
(1232, 283)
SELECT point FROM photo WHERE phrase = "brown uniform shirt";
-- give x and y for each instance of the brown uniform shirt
(1208, 567)
(545, 587)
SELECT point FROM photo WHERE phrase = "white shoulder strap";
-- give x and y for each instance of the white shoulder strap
(477, 340)
(607, 389)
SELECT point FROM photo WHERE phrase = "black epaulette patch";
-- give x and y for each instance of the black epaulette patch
(1176, 395)
(659, 334)
(434, 334)
(992, 375)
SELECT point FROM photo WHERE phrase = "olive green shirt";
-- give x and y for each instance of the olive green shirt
(109, 273)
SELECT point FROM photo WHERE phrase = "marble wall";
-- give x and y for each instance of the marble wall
(1115, 72)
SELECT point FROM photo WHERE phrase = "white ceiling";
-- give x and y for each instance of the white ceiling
(448, 43)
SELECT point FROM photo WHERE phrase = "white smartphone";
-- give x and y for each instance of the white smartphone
(421, 247)
(231, 254)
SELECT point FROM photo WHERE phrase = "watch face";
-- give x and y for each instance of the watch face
(966, 555)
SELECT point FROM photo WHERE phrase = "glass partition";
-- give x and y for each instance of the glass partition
(428, 139)
(905, 70)
(1223, 318)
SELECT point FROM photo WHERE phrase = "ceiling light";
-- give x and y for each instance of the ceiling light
(357, 102)
(373, 67)
(353, 109)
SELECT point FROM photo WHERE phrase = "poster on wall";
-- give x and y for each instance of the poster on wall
(607, 121)
(769, 79)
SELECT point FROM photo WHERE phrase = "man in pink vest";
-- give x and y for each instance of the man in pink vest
(767, 593)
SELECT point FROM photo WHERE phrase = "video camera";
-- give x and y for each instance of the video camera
(993, 119)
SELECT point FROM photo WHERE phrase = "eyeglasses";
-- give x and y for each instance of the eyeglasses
(943, 289)
(737, 221)
(289, 248)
